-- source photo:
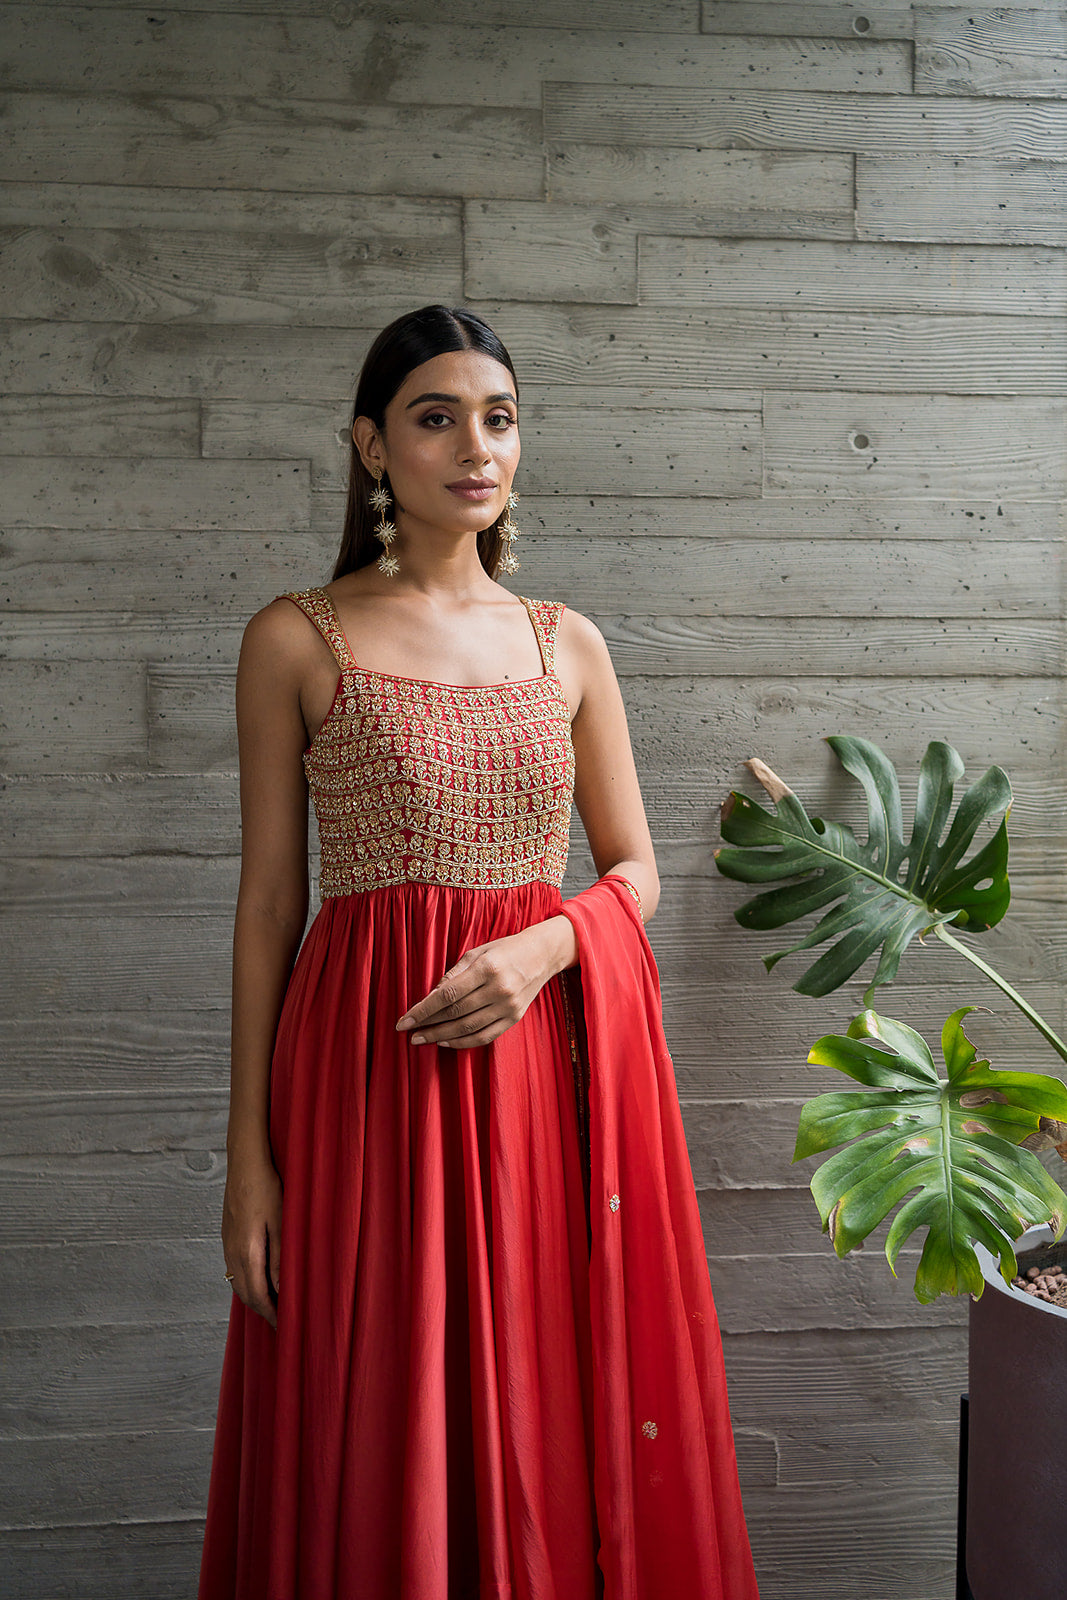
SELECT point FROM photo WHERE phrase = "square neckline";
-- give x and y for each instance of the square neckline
(436, 683)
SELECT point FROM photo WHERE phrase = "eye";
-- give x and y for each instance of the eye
(505, 417)
(430, 415)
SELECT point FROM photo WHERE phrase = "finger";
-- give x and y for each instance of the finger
(250, 1283)
(275, 1260)
(458, 1030)
(443, 999)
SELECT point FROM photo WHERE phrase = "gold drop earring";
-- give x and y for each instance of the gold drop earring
(509, 561)
(380, 501)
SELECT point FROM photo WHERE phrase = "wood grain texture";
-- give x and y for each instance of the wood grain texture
(990, 52)
(129, 1558)
(785, 350)
(872, 123)
(229, 143)
(923, 197)
(917, 444)
(807, 21)
(669, 189)
(640, 16)
(94, 425)
(180, 360)
(170, 275)
(847, 277)
(87, 492)
(395, 58)
(231, 213)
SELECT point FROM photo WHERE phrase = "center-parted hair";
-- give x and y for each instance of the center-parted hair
(405, 344)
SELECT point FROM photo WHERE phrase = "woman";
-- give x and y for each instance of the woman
(472, 1349)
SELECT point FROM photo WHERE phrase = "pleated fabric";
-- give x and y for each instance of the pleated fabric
(667, 1495)
(420, 1427)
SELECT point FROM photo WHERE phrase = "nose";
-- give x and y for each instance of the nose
(472, 445)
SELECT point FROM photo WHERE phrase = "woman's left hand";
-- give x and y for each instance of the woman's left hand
(490, 987)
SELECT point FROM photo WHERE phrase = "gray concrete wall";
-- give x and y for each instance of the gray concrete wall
(785, 286)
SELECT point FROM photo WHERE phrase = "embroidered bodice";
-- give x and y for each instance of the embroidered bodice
(417, 782)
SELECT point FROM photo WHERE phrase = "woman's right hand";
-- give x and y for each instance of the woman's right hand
(252, 1231)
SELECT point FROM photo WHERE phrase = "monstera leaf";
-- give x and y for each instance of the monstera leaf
(884, 890)
(955, 1140)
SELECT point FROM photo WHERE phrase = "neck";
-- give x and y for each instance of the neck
(435, 561)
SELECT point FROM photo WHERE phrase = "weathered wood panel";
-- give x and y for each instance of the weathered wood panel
(525, 250)
(53, 425)
(179, 359)
(987, 52)
(87, 492)
(849, 277)
(56, 718)
(903, 1536)
(97, 1198)
(165, 585)
(310, 58)
(664, 189)
(807, 21)
(921, 197)
(649, 16)
(474, 66)
(567, 514)
(229, 143)
(918, 444)
(68, 816)
(794, 350)
(934, 125)
(160, 1559)
(168, 275)
(130, 1477)
(231, 212)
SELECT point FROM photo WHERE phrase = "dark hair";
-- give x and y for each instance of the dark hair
(404, 345)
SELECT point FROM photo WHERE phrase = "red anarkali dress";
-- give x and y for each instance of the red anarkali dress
(497, 1372)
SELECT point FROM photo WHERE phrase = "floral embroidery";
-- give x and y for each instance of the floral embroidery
(417, 782)
(649, 1430)
(614, 1202)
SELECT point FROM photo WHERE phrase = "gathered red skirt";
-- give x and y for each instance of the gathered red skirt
(420, 1426)
(497, 1373)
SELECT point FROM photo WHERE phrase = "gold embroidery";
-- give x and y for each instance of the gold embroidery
(417, 782)
(614, 1202)
(649, 1430)
(630, 888)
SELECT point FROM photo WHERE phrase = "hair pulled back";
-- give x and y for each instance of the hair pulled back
(405, 344)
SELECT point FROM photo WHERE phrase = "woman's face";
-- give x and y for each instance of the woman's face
(453, 419)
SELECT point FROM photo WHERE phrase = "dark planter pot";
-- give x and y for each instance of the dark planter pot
(1017, 1436)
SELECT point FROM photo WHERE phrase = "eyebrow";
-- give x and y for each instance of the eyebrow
(455, 400)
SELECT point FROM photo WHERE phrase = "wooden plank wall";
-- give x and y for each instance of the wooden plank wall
(785, 285)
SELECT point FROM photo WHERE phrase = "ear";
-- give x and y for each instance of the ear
(368, 442)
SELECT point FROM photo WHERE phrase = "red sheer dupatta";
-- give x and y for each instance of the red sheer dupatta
(665, 1478)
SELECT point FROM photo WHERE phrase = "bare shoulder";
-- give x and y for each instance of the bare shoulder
(581, 636)
(581, 642)
(279, 639)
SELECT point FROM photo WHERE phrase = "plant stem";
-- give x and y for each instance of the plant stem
(1013, 994)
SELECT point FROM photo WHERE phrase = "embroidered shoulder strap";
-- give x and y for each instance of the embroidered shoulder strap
(545, 615)
(318, 606)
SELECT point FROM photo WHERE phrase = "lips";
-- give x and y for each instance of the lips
(473, 489)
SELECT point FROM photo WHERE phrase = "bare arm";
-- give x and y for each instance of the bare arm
(491, 986)
(272, 904)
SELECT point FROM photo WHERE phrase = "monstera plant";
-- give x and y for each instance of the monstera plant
(955, 1151)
